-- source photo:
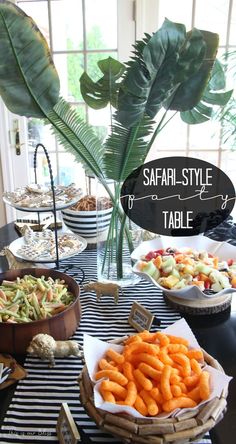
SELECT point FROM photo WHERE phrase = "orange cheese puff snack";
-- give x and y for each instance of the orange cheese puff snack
(181, 402)
(117, 357)
(156, 394)
(182, 386)
(162, 338)
(195, 366)
(139, 386)
(140, 406)
(146, 336)
(112, 375)
(139, 347)
(195, 394)
(183, 360)
(165, 358)
(195, 354)
(104, 365)
(128, 371)
(178, 368)
(131, 393)
(176, 390)
(191, 381)
(177, 348)
(150, 403)
(165, 383)
(115, 388)
(178, 340)
(107, 396)
(149, 359)
(142, 380)
(174, 378)
(149, 371)
(134, 338)
(204, 385)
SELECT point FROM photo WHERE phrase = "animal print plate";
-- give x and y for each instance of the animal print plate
(41, 246)
(29, 198)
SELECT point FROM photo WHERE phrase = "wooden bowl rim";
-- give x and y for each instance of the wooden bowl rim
(40, 321)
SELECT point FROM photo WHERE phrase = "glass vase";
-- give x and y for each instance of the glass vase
(115, 243)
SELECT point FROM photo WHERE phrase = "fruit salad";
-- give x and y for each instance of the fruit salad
(174, 268)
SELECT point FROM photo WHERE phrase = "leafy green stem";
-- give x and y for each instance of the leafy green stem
(160, 127)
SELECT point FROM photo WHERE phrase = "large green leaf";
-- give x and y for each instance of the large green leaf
(158, 67)
(210, 97)
(126, 149)
(98, 94)
(77, 137)
(190, 91)
(29, 84)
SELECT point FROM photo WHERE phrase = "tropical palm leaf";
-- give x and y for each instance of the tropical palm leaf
(29, 83)
(126, 149)
(165, 60)
(203, 110)
(98, 94)
(77, 137)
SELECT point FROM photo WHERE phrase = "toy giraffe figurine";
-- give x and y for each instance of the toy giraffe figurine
(102, 288)
(13, 263)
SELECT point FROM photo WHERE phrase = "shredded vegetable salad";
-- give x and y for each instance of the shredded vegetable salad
(176, 268)
(30, 298)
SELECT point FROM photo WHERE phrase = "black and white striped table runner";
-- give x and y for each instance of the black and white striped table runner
(33, 412)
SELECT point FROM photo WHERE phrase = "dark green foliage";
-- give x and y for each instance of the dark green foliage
(29, 84)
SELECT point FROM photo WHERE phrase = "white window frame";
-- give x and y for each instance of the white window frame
(15, 172)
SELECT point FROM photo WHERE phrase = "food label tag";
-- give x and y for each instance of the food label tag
(140, 318)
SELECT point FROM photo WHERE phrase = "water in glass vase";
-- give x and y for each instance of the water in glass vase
(116, 242)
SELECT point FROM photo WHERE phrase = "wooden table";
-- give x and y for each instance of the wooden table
(216, 334)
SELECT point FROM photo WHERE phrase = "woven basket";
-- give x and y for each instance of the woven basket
(187, 427)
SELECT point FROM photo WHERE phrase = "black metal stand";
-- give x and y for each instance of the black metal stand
(53, 194)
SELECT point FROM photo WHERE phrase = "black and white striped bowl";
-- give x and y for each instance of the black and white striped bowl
(87, 223)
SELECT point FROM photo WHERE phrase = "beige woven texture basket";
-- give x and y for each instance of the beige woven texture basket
(187, 427)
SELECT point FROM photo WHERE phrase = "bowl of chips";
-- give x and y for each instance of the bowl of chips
(36, 300)
(153, 387)
(89, 217)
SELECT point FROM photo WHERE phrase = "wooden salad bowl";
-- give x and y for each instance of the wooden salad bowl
(15, 338)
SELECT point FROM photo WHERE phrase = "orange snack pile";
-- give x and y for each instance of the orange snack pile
(155, 373)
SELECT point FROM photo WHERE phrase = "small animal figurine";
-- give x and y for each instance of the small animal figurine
(13, 263)
(46, 347)
(102, 288)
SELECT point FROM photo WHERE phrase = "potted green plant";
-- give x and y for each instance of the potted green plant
(169, 70)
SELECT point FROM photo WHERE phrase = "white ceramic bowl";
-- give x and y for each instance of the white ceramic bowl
(221, 249)
(87, 223)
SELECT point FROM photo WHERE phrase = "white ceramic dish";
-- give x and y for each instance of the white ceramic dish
(87, 223)
(221, 249)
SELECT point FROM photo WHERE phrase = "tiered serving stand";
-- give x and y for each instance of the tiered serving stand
(55, 207)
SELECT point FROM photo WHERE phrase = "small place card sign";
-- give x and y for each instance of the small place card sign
(140, 318)
(67, 432)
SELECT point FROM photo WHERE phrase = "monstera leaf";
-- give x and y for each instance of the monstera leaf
(98, 94)
(167, 59)
(29, 84)
(211, 96)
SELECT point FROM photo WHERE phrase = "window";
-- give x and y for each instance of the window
(79, 34)
(204, 140)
